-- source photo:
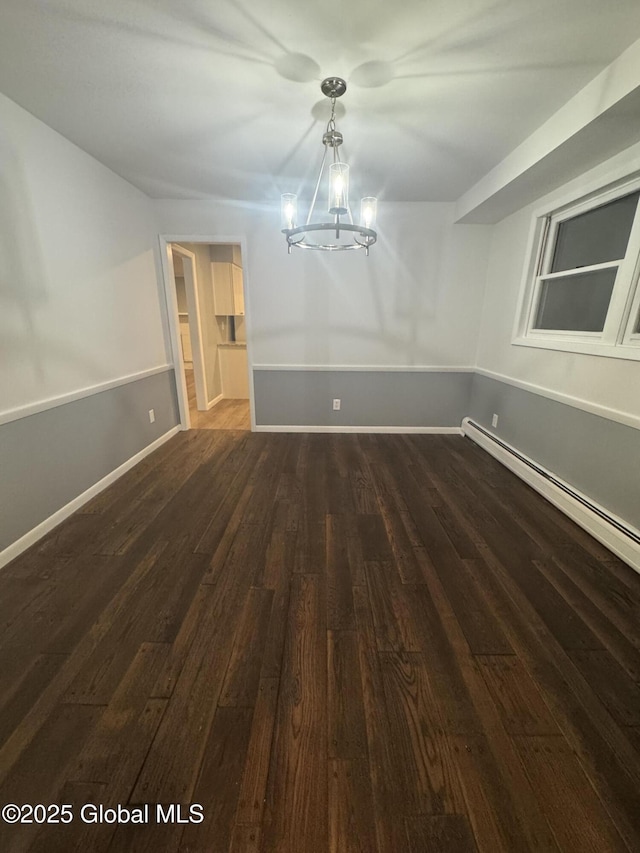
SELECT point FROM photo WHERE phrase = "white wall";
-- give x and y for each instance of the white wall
(79, 297)
(414, 301)
(608, 382)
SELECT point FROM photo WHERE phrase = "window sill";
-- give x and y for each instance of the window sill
(628, 352)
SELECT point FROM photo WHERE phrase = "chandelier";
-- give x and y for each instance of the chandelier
(342, 233)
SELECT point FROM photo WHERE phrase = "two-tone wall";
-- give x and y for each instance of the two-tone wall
(84, 351)
(392, 335)
(415, 337)
(576, 415)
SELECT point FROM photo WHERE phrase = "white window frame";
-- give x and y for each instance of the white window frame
(620, 337)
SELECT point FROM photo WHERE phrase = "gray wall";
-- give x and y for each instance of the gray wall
(49, 458)
(595, 455)
(369, 398)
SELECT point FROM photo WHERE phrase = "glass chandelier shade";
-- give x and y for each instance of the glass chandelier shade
(342, 232)
(338, 188)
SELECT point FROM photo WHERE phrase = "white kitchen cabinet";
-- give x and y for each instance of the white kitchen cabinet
(228, 293)
(234, 371)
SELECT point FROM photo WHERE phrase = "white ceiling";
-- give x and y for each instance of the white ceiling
(197, 98)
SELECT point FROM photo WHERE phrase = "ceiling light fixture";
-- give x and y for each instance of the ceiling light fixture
(347, 235)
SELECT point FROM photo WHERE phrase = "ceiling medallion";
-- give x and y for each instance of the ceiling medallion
(312, 234)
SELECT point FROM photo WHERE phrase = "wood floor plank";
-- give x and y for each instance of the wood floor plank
(276, 632)
(390, 607)
(107, 751)
(245, 839)
(616, 641)
(489, 723)
(17, 701)
(145, 515)
(240, 684)
(340, 612)
(522, 709)
(494, 817)
(419, 772)
(311, 553)
(66, 838)
(279, 565)
(123, 759)
(407, 548)
(460, 539)
(605, 753)
(457, 711)
(633, 734)
(218, 785)
(479, 625)
(373, 536)
(149, 610)
(235, 492)
(374, 643)
(578, 818)
(142, 472)
(387, 798)
(355, 553)
(440, 834)
(170, 770)
(253, 787)
(350, 802)
(296, 808)
(54, 622)
(41, 773)
(618, 693)
(347, 733)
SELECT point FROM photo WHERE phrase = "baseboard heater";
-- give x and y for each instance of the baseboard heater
(622, 539)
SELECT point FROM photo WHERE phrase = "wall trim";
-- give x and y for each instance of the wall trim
(32, 536)
(53, 402)
(577, 402)
(378, 429)
(368, 368)
(214, 402)
(590, 520)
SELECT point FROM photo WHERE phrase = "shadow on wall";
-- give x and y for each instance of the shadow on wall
(22, 268)
(394, 307)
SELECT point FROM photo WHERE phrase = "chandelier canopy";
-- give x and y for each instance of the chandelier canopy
(342, 234)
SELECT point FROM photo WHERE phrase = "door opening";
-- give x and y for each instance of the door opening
(209, 333)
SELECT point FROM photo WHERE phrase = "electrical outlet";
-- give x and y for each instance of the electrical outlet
(494, 421)
(336, 404)
(152, 416)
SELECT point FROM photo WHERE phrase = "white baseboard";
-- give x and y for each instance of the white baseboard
(213, 402)
(621, 545)
(377, 429)
(30, 538)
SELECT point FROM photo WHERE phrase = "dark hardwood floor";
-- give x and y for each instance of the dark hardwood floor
(329, 643)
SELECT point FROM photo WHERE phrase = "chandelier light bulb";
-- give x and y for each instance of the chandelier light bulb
(368, 211)
(338, 188)
(288, 210)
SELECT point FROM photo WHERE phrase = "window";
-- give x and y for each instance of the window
(581, 291)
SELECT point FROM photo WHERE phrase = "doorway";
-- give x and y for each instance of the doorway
(205, 290)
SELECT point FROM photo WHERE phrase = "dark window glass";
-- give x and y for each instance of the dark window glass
(595, 237)
(577, 303)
